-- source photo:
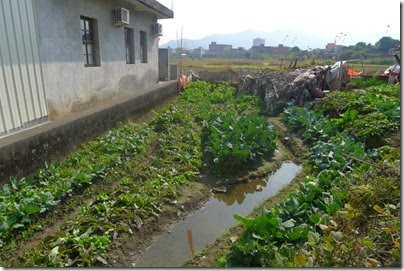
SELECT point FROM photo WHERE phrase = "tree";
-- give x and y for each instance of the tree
(295, 50)
(349, 54)
(386, 43)
(361, 44)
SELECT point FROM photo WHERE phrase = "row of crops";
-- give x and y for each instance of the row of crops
(347, 212)
(146, 165)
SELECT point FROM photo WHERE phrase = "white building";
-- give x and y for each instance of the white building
(62, 56)
(258, 42)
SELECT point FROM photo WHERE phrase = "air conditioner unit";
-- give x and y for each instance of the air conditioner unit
(157, 29)
(121, 16)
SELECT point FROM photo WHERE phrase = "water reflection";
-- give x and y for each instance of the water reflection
(171, 248)
(239, 192)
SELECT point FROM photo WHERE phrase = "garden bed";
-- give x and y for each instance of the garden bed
(130, 176)
(109, 200)
(346, 212)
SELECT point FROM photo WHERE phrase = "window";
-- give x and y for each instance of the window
(88, 35)
(143, 47)
(130, 59)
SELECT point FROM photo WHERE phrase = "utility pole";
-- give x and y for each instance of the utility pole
(182, 30)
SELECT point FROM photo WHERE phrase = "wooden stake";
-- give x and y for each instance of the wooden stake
(191, 244)
(363, 69)
(362, 161)
(294, 66)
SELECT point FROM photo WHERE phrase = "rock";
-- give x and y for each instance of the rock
(317, 93)
(221, 189)
(308, 105)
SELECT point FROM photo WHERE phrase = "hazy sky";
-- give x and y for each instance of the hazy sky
(200, 18)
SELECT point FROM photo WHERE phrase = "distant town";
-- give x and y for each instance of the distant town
(332, 50)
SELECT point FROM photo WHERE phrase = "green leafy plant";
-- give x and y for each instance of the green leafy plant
(236, 141)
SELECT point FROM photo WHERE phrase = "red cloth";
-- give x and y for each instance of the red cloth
(352, 73)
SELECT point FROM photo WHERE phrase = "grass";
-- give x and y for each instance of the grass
(220, 64)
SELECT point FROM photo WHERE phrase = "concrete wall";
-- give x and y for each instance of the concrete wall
(25, 152)
(163, 64)
(69, 85)
(173, 72)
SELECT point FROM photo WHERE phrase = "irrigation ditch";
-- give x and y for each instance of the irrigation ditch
(209, 180)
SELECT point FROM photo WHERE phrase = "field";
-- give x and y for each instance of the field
(219, 64)
(108, 201)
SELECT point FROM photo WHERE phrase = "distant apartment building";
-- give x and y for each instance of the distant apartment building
(258, 42)
(333, 48)
(217, 50)
(270, 50)
(197, 52)
(238, 52)
(317, 50)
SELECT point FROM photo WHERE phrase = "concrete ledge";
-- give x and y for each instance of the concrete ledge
(25, 152)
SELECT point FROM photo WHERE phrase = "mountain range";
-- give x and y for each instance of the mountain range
(245, 39)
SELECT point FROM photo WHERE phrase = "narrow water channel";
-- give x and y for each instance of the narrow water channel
(172, 248)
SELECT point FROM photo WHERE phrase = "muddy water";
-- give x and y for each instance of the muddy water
(172, 248)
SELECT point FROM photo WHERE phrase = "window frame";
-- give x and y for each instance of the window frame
(129, 45)
(90, 40)
(143, 46)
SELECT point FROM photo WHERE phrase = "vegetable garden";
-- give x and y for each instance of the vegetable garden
(345, 213)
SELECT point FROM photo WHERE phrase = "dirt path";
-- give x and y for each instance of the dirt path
(294, 144)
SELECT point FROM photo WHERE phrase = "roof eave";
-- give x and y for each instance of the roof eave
(153, 6)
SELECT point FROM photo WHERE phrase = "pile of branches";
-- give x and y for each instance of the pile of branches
(298, 87)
